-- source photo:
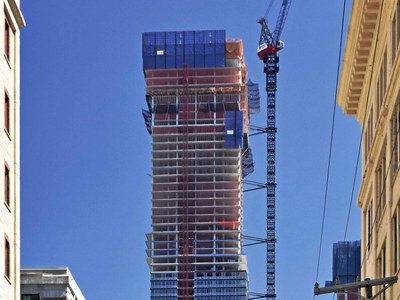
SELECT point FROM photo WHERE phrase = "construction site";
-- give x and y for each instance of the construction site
(199, 104)
(198, 119)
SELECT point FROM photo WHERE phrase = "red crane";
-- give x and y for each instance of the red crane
(269, 42)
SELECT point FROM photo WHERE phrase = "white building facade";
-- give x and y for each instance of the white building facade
(49, 284)
(12, 22)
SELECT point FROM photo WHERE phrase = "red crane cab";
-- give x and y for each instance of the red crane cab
(265, 49)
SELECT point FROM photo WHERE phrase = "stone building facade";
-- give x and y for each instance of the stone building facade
(12, 22)
(369, 90)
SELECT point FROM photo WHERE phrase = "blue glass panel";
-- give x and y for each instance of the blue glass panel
(189, 49)
(170, 38)
(220, 60)
(189, 37)
(209, 37)
(180, 37)
(209, 60)
(179, 61)
(199, 61)
(170, 49)
(179, 49)
(233, 129)
(220, 48)
(209, 48)
(199, 37)
(149, 50)
(199, 49)
(346, 261)
(170, 62)
(160, 38)
(189, 59)
(149, 62)
(220, 36)
(149, 38)
(160, 62)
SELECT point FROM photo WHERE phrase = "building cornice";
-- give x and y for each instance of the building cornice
(19, 18)
(357, 55)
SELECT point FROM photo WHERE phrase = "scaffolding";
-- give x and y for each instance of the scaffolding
(198, 120)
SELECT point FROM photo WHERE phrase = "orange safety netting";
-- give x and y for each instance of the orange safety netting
(234, 49)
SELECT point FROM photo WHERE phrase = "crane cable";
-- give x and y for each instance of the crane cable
(331, 139)
(271, 2)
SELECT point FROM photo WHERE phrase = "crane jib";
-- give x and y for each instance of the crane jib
(281, 19)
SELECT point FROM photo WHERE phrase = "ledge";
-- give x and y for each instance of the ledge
(17, 13)
(357, 55)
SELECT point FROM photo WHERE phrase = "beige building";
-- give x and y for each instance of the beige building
(9, 150)
(370, 91)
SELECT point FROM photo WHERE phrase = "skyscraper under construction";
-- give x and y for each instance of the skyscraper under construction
(198, 116)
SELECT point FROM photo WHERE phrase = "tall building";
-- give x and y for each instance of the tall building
(346, 262)
(369, 90)
(49, 284)
(198, 115)
(9, 150)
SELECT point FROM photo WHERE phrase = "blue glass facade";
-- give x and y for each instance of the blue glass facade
(170, 50)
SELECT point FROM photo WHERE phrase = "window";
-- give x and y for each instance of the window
(7, 37)
(7, 185)
(7, 258)
(381, 268)
(30, 297)
(381, 87)
(398, 23)
(6, 112)
(369, 227)
(380, 186)
(395, 140)
(394, 38)
(395, 240)
(395, 31)
(368, 135)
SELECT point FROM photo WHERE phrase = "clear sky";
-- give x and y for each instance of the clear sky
(85, 152)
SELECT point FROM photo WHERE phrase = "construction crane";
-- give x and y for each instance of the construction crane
(268, 48)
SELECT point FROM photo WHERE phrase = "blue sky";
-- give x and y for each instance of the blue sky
(85, 152)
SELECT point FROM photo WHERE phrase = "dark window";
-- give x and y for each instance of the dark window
(7, 34)
(6, 112)
(6, 185)
(398, 22)
(7, 257)
(394, 38)
(382, 268)
(381, 86)
(30, 297)
(395, 241)
(369, 227)
(395, 128)
(380, 176)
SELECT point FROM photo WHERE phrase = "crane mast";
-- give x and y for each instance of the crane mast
(268, 48)
(271, 69)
